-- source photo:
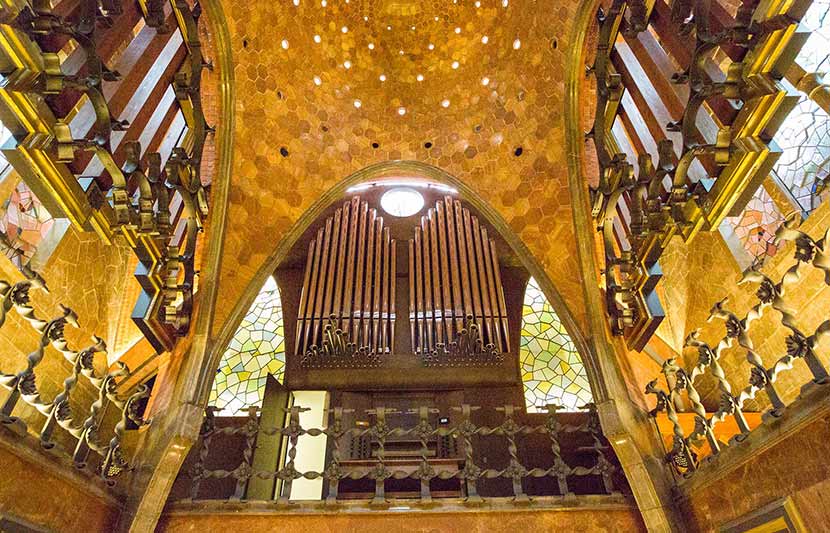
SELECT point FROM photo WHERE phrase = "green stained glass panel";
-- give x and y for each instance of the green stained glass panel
(256, 350)
(552, 371)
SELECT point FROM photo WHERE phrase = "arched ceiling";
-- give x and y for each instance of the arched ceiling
(324, 88)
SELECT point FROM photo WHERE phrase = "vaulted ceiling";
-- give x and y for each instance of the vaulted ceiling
(324, 88)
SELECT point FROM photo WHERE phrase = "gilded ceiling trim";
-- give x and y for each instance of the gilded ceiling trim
(372, 172)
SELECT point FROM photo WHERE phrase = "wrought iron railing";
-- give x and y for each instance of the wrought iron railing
(158, 206)
(86, 429)
(800, 345)
(438, 453)
(722, 155)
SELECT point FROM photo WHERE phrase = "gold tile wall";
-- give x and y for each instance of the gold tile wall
(309, 112)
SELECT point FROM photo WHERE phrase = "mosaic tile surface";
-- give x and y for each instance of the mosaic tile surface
(755, 227)
(324, 89)
(25, 222)
(256, 350)
(552, 370)
(814, 56)
(805, 164)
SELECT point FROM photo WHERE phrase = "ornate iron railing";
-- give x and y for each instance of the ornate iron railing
(158, 206)
(723, 154)
(85, 428)
(799, 346)
(459, 441)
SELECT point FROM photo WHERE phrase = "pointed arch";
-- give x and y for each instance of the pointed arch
(398, 169)
(551, 367)
(256, 351)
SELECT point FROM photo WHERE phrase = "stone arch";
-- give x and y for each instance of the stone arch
(408, 169)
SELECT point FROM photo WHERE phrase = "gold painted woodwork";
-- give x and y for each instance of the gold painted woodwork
(740, 150)
(48, 144)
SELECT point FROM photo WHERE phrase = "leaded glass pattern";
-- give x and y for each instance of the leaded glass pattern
(815, 54)
(552, 370)
(24, 222)
(256, 350)
(5, 135)
(804, 138)
(755, 227)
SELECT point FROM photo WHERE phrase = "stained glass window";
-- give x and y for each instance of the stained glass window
(552, 370)
(805, 135)
(755, 228)
(24, 222)
(5, 134)
(256, 350)
(804, 165)
(815, 54)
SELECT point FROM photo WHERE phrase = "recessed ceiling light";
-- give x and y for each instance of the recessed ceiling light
(517, 44)
(400, 52)
(445, 103)
(317, 80)
(402, 202)
(478, 4)
(389, 28)
(431, 46)
(382, 77)
(345, 29)
(402, 111)
(455, 64)
(484, 39)
(457, 30)
(284, 44)
(371, 46)
(347, 64)
(323, 3)
(317, 39)
(504, 3)
(485, 81)
(419, 77)
(358, 103)
(296, 2)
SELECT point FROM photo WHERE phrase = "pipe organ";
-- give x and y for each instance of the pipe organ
(346, 314)
(457, 313)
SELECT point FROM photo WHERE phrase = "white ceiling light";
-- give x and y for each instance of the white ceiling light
(402, 202)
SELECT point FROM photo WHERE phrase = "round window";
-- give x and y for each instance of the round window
(402, 202)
